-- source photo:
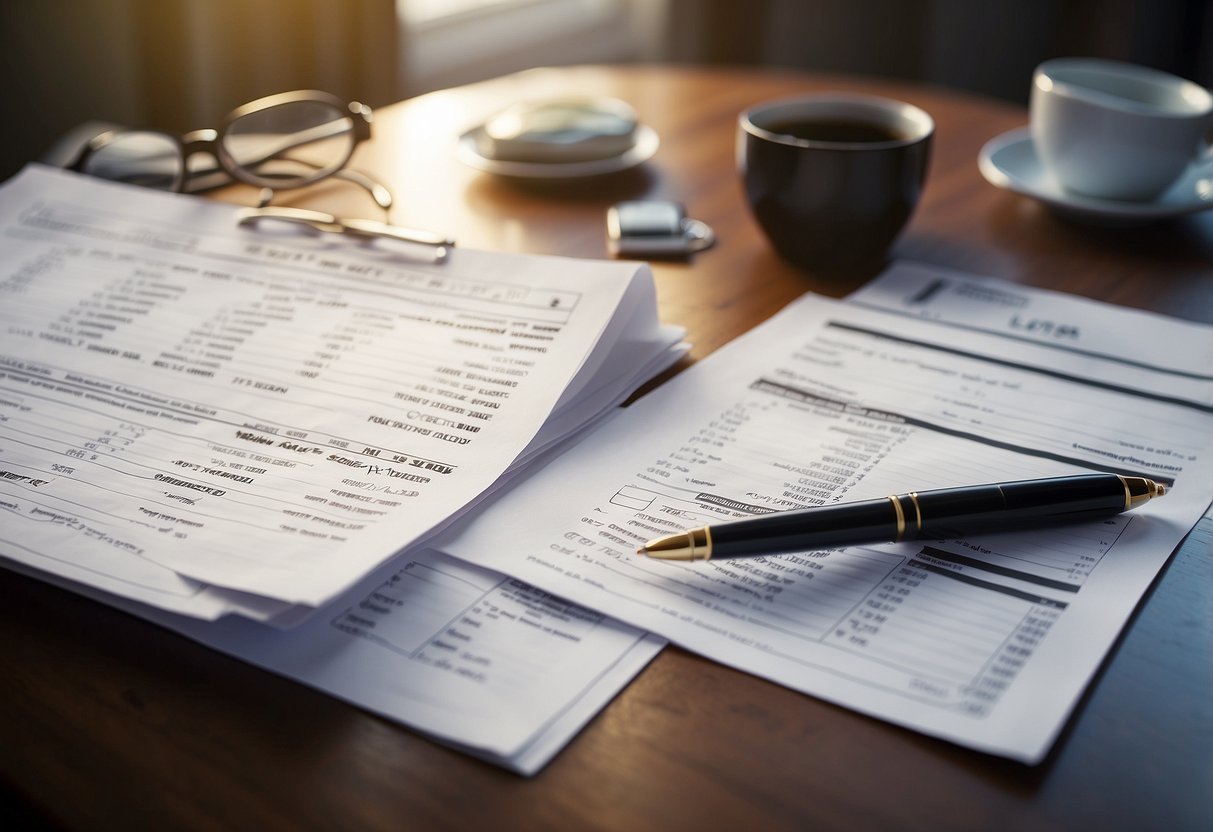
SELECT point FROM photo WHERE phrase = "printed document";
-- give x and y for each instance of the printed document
(214, 418)
(472, 658)
(926, 380)
(184, 401)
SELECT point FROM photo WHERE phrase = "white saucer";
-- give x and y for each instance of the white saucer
(643, 149)
(1009, 161)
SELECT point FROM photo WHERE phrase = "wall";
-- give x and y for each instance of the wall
(988, 46)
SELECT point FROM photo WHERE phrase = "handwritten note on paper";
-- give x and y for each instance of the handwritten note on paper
(987, 642)
(188, 403)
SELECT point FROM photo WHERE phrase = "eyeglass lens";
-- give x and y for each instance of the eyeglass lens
(284, 146)
(152, 160)
(290, 144)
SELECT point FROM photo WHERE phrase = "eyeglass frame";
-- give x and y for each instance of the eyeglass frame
(209, 140)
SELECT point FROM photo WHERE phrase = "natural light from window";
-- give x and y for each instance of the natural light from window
(418, 12)
(451, 42)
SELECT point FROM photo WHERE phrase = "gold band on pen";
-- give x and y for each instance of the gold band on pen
(901, 518)
(698, 544)
(917, 513)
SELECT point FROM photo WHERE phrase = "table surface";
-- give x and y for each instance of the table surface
(109, 722)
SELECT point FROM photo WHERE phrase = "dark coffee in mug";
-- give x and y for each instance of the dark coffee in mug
(832, 178)
(836, 130)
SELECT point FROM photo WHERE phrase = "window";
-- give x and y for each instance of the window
(450, 42)
(422, 12)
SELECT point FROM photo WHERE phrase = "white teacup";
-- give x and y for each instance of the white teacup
(1115, 130)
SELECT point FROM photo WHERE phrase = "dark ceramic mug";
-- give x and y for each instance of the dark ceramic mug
(833, 178)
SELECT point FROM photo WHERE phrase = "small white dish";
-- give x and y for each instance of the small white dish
(642, 150)
(1009, 161)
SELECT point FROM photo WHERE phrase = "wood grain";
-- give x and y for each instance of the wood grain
(109, 722)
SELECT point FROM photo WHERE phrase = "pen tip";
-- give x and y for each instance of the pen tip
(1139, 490)
(640, 550)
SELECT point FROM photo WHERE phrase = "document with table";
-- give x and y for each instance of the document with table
(924, 380)
(211, 418)
(199, 419)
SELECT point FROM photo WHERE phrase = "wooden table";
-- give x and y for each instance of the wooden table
(109, 722)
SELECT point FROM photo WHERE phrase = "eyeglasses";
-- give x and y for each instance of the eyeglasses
(280, 142)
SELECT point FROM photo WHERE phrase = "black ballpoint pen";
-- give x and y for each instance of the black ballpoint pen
(923, 515)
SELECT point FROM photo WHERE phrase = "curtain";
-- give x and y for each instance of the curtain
(180, 64)
(989, 47)
(200, 58)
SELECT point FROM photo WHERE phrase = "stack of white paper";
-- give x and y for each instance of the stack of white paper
(207, 418)
(203, 419)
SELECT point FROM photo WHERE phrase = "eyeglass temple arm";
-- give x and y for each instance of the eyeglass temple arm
(374, 228)
(356, 227)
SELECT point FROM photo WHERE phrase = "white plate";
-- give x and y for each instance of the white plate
(1010, 161)
(643, 149)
